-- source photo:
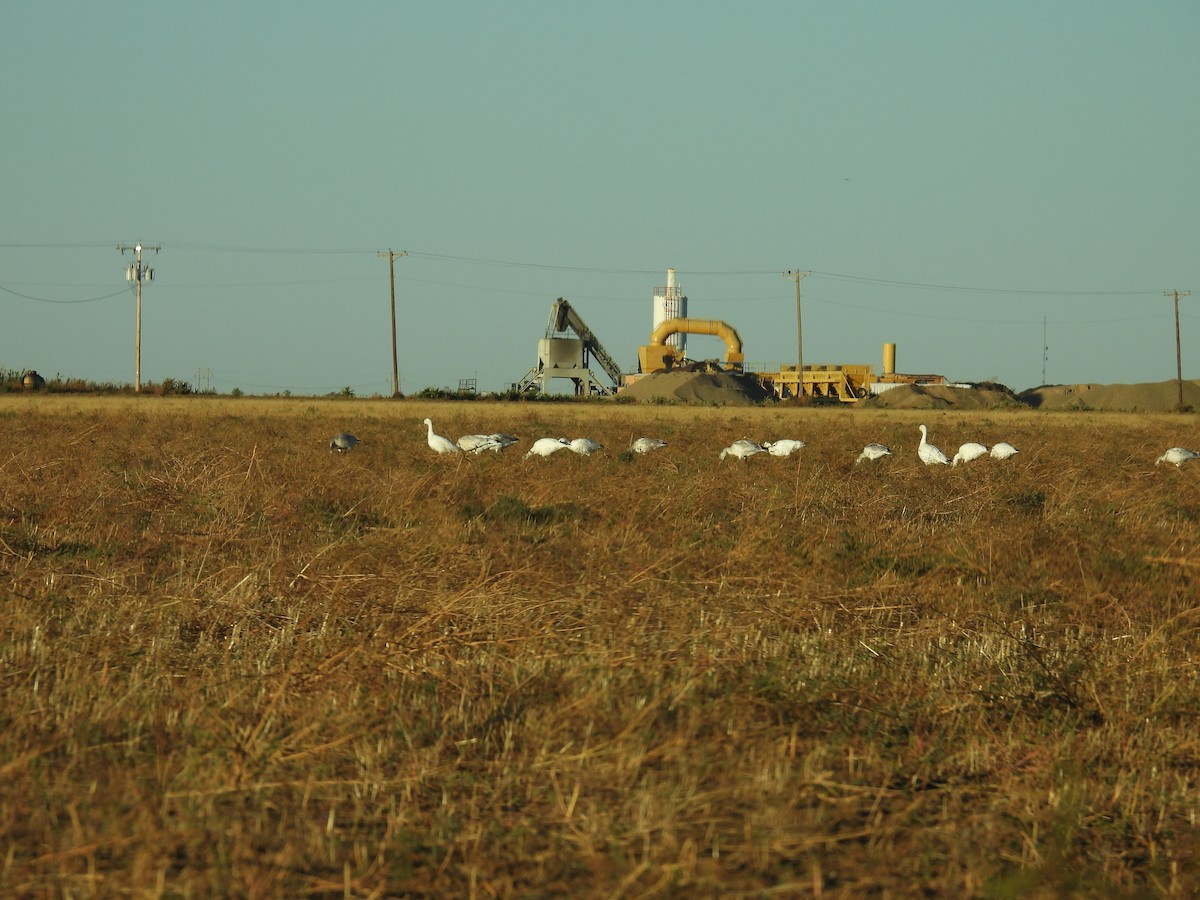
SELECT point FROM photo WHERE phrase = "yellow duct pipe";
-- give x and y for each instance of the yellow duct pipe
(723, 330)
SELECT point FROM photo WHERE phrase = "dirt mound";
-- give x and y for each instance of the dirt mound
(707, 388)
(730, 389)
(945, 396)
(1159, 396)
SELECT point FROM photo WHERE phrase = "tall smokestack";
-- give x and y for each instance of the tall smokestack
(669, 304)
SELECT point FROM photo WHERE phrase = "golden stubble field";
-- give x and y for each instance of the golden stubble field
(237, 664)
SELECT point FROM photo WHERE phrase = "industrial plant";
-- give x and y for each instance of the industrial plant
(569, 349)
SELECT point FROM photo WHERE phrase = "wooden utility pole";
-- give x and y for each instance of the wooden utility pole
(391, 258)
(1045, 350)
(1178, 355)
(797, 276)
(136, 272)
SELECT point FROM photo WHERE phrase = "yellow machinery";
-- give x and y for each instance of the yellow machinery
(823, 384)
(659, 356)
(891, 376)
(832, 383)
(844, 384)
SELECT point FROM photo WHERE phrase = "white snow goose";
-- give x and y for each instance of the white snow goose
(477, 443)
(873, 451)
(1003, 450)
(743, 450)
(969, 451)
(646, 444)
(929, 454)
(440, 444)
(785, 447)
(585, 446)
(546, 446)
(1178, 456)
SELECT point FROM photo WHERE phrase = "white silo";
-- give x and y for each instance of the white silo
(669, 303)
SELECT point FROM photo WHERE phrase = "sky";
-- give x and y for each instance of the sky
(1003, 190)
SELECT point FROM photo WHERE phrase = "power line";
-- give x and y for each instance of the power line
(477, 261)
(208, 285)
(978, 290)
(602, 270)
(908, 313)
(814, 272)
(49, 300)
(285, 251)
(64, 246)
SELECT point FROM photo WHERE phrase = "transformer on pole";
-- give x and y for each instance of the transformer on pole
(138, 273)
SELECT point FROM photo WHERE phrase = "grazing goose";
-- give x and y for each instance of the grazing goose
(343, 442)
(472, 443)
(585, 446)
(969, 451)
(930, 455)
(504, 440)
(1177, 455)
(1003, 450)
(743, 449)
(477, 443)
(873, 451)
(783, 448)
(546, 446)
(645, 445)
(440, 444)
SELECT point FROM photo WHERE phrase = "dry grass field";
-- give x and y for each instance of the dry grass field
(237, 664)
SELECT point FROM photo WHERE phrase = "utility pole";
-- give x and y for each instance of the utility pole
(138, 273)
(391, 258)
(1045, 351)
(797, 275)
(1178, 356)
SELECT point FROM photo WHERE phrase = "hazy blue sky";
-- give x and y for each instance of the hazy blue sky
(955, 174)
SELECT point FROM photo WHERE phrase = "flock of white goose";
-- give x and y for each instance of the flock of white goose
(932, 456)
(743, 449)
